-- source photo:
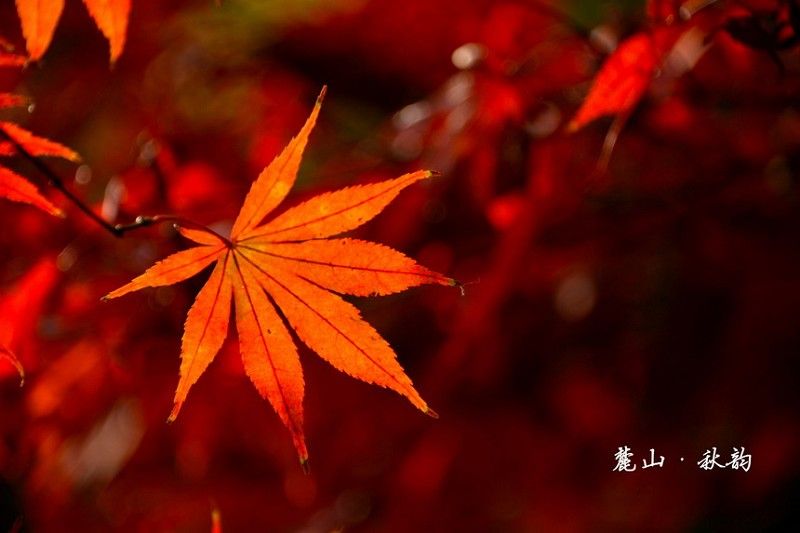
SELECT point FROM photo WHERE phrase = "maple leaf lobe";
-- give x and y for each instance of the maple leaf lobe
(111, 18)
(38, 19)
(16, 188)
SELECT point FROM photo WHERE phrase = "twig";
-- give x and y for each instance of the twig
(55, 181)
(117, 230)
(145, 221)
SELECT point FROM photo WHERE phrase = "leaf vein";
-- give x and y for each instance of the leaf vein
(325, 319)
(289, 415)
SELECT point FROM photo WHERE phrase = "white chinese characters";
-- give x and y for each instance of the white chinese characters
(739, 460)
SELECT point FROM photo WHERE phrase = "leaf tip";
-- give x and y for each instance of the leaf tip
(448, 282)
(304, 464)
(431, 413)
(114, 53)
(321, 96)
(174, 413)
(573, 126)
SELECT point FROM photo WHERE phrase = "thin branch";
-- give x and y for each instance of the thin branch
(145, 221)
(117, 230)
(55, 181)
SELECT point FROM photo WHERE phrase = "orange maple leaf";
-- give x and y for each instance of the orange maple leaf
(40, 17)
(15, 187)
(33, 144)
(288, 262)
(12, 185)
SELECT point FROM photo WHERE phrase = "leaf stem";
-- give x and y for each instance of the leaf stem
(145, 221)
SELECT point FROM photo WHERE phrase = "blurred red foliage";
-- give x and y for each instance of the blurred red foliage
(652, 303)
